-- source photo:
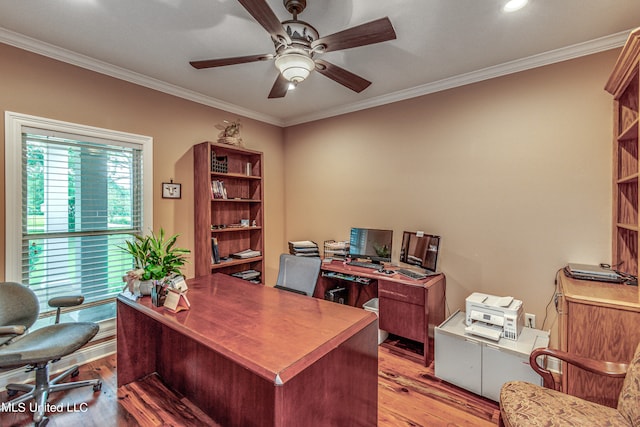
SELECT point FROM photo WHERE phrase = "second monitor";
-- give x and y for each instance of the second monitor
(421, 250)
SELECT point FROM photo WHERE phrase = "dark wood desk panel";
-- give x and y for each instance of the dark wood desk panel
(406, 307)
(253, 355)
(413, 310)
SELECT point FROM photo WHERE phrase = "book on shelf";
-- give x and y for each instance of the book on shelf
(247, 274)
(218, 190)
(247, 253)
(215, 252)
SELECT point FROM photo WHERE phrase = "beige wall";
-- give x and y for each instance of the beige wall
(32, 84)
(514, 173)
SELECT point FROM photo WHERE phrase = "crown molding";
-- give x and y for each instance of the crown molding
(563, 54)
(73, 58)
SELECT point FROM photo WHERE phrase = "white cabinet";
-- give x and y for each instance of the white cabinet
(481, 365)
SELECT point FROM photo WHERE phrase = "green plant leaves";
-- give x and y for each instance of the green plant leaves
(156, 255)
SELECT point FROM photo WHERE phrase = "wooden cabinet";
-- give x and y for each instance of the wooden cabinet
(600, 321)
(228, 198)
(623, 85)
(481, 365)
(412, 309)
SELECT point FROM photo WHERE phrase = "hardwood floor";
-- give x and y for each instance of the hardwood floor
(408, 395)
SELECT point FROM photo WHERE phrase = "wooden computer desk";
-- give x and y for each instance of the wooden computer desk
(597, 320)
(406, 307)
(253, 355)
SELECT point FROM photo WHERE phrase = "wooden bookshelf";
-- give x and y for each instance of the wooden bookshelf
(623, 84)
(240, 171)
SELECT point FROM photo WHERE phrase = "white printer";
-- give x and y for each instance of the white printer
(494, 317)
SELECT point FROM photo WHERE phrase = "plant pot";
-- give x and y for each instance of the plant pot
(158, 294)
(145, 287)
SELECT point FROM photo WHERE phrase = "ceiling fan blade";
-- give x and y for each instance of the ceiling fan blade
(280, 87)
(342, 76)
(210, 63)
(372, 32)
(262, 13)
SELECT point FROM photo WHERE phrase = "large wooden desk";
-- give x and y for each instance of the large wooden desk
(600, 321)
(406, 307)
(250, 355)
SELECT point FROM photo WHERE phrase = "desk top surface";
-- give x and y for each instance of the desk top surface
(273, 333)
(341, 267)
(615, 295)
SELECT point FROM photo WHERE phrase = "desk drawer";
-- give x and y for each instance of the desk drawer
(401, 318)
(401, 292)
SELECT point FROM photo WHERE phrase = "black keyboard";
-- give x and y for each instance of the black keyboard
(411, 274)
(365, 264)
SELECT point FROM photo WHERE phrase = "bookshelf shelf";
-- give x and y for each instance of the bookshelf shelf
(237, 200)
(233, 229)
(628, 179)
(235, 175)
(629, 227)
(238, 172)
(235, 262)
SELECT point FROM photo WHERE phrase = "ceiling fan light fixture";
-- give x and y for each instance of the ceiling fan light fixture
(294, 66)
(513, 5)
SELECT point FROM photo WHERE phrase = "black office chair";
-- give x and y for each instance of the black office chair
(19, 310)
(298, 274)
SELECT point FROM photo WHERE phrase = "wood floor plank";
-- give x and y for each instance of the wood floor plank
(409, 394)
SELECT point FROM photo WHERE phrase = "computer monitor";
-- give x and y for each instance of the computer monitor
(420, 249)
(370, 244)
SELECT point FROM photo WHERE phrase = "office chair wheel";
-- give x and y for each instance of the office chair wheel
(75, 373)
(43, 422)
(97, 387)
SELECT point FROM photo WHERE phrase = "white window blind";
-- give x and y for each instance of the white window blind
(82, 197)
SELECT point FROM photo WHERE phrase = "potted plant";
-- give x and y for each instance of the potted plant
(156, 259)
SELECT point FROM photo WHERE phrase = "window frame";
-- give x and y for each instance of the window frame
(14, 124)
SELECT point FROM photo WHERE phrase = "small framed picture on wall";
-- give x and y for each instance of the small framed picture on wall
(171, 190)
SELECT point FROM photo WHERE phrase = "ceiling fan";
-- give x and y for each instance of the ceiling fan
(297, 43)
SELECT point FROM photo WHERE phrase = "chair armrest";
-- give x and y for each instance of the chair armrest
(609, 369)
(66, 301)
(12, 330)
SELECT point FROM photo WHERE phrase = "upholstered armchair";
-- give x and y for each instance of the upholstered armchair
(523, 404)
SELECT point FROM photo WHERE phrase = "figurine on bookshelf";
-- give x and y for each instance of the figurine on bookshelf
(230, 133)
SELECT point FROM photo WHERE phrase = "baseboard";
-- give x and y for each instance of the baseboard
(105, 344)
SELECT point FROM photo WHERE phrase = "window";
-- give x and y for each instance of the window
(74, 194)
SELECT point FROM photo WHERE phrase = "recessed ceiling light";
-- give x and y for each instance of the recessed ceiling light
(513, 5)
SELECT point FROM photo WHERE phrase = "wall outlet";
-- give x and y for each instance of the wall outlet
(530, 320)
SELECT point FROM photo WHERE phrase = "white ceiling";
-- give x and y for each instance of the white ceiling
(440, 44)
